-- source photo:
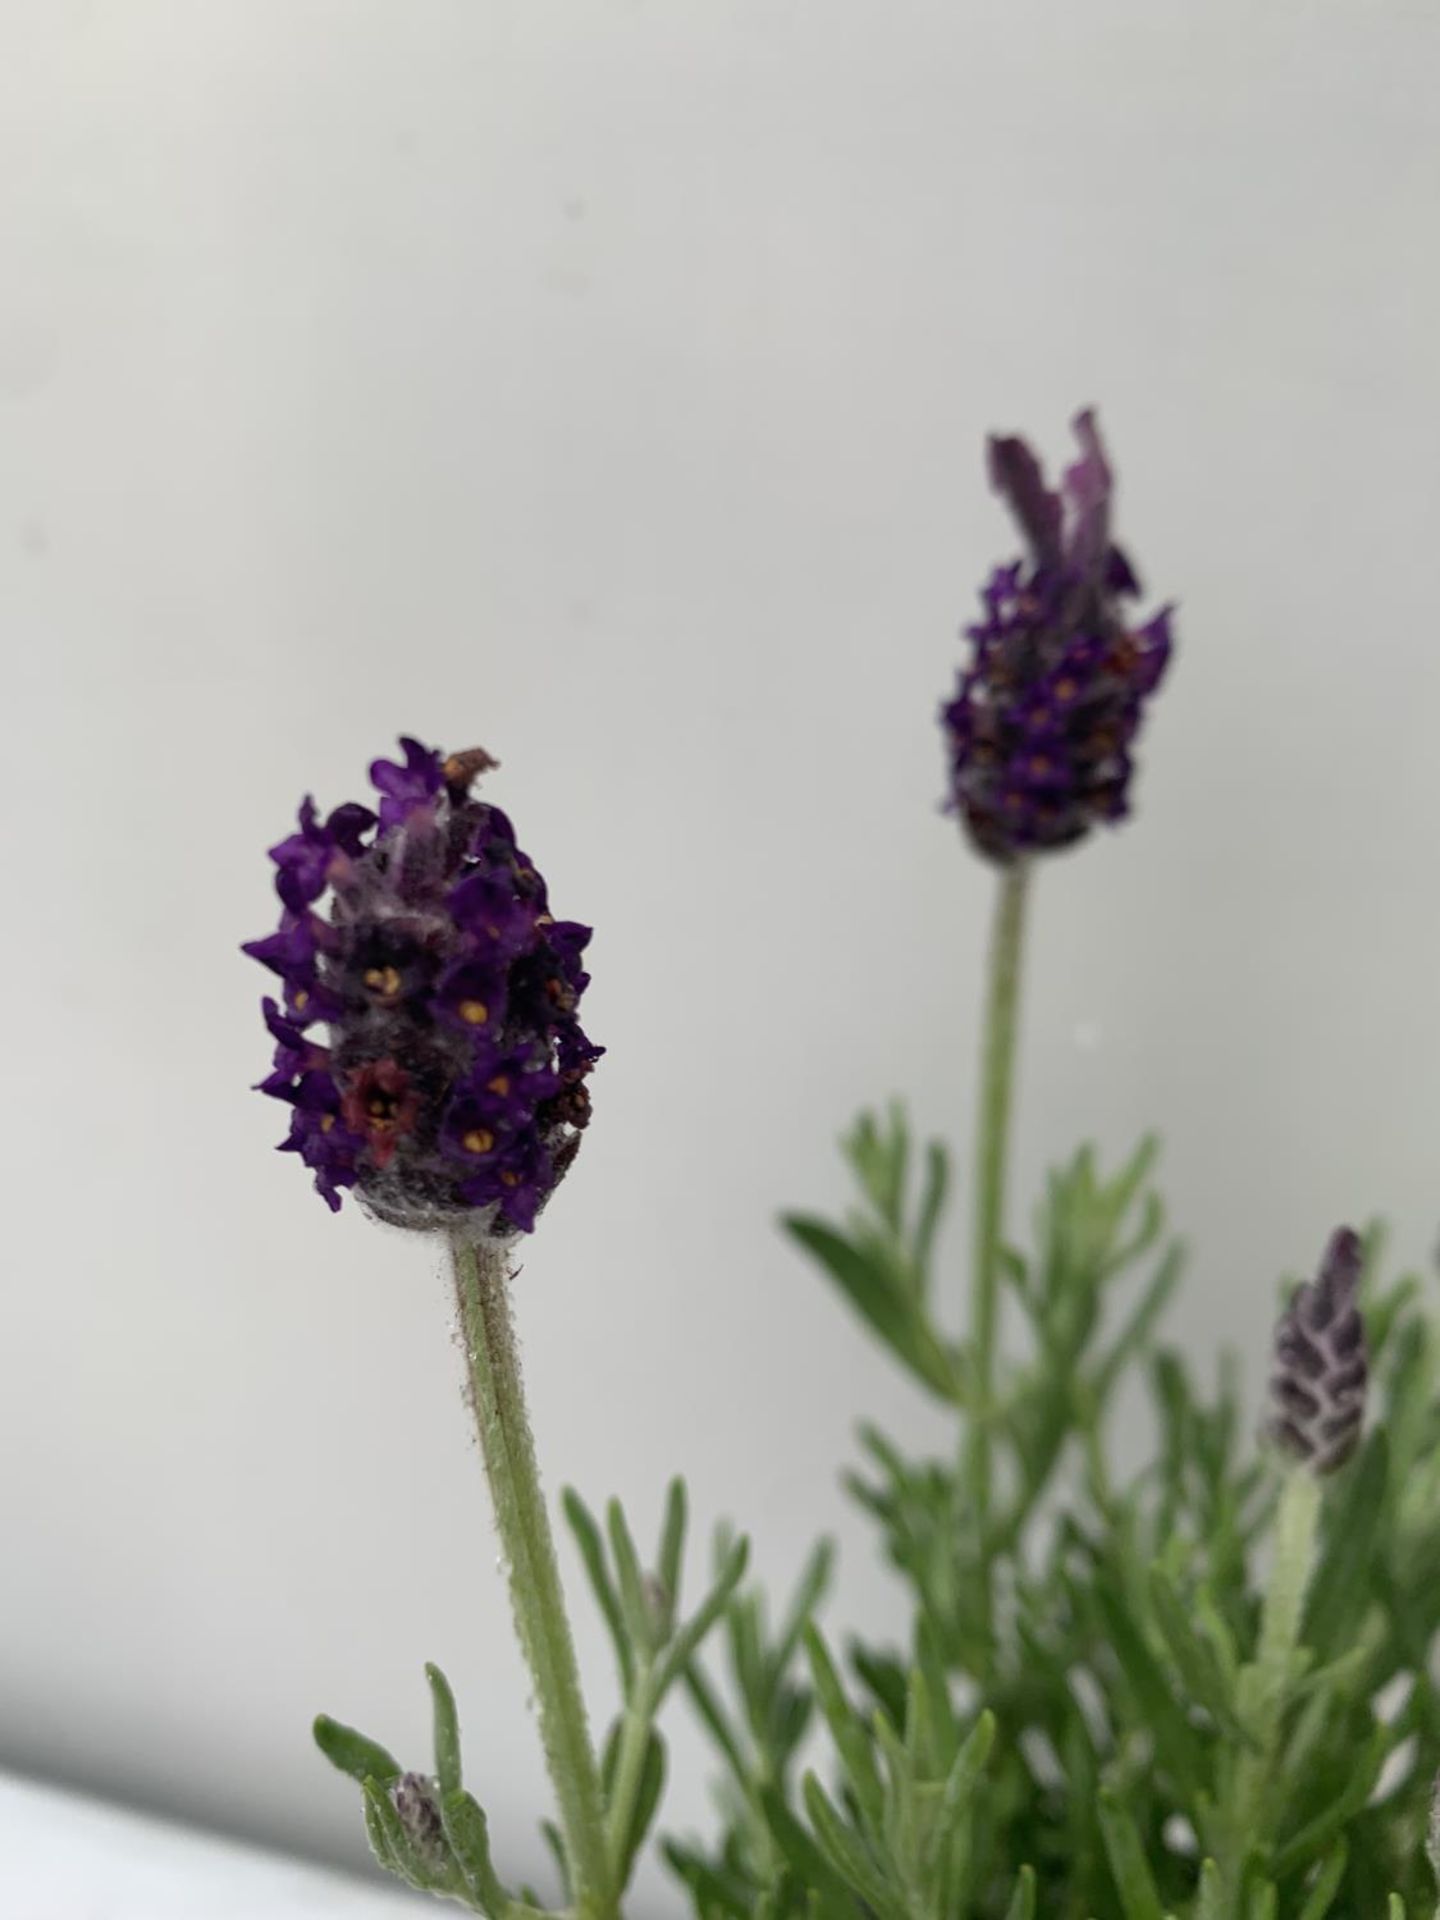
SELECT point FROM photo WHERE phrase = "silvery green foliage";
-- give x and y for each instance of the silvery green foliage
(1070, 1727)
(431, 1832)
(1199, 1691)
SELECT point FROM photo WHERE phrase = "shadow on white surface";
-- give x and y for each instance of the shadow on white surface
(63, 1857)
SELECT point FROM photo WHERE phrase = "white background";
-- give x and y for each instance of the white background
(606, 383)
(68, 1858)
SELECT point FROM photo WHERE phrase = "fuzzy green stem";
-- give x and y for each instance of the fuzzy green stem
(1296, 1520)
(482, 1291)
(1266, 1683)
(992, 1142)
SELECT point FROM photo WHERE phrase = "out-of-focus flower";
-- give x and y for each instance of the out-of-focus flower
(1041, 726)
(1320, 1370)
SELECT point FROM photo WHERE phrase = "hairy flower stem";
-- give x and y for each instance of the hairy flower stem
(992, 1141)
(482, 1291)
(1295, 1524)
(1266, 1683)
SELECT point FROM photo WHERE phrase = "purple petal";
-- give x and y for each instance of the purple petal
(289, 951)
(1018, 477)
(408, 786)
(1087, 492)
(347, 827)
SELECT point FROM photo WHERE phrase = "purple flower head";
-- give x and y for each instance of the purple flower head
(1047, 707)
(1320, 1369)
(448, 1091)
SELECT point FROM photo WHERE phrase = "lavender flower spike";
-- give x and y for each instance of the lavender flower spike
(450, 1091)
(1320, 1370)
(1039, 732)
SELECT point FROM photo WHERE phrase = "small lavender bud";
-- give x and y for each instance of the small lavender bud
(413, 1798)
(1317, 1382)
(449, 1092)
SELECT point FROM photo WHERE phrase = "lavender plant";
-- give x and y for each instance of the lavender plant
(1203, 1690)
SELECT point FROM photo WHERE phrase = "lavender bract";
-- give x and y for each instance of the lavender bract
(413, 1796)
(1040, 729)
(1320, 1369)
(451, 1092)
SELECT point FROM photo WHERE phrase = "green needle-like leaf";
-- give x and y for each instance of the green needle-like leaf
(1122, 1190)
(378, 1836)
(1136, 1332)
(447, 1731)
(963, 1776)
(949, 1858)
(848, 1856)
(398, 1854)
(919, 1727)
(900, 1814)
(810, 1590)
(592, 1552)
(469, 1838)
(640, 1623)
(800, 1850)
(932, 1205)
(1134, 1882)
(1174, 1736)
(1321, 1896)
(869, 1289)
(1317, 1835)
(554, 1840)
(672, 1546)
(1340, 1585)
(647, 1800)
(1022, 1901)
(717, 1891)
(1211, 1903)
(713, 1714)
(1200, 1666)
(850, 1734)
(893, 1168)
(677, 1656)
(353, 1753)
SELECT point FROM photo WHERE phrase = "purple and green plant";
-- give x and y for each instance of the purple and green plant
(1207, 1689)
